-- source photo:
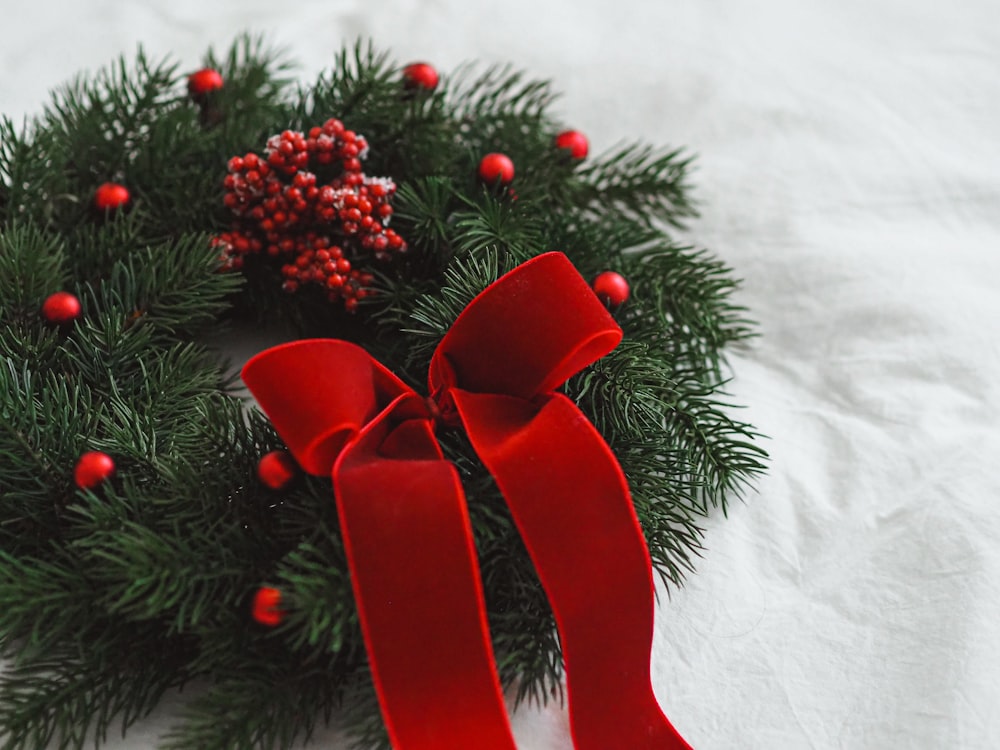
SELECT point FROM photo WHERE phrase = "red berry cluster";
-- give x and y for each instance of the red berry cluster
(318, 225)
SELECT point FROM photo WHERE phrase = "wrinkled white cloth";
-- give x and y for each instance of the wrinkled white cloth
(849, 170)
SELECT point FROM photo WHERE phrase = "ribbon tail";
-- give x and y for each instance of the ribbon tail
(413, 566)
(572, 506)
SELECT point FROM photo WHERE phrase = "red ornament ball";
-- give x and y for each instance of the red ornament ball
(420, 75)
(61, 307)
(111, 196)
(93, 468)
(573, 141)
(276, 469)
(203, 82)
(611, 288)
(267, 607)
(496, 167)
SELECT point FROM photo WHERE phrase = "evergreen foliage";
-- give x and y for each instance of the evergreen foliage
(109, 598)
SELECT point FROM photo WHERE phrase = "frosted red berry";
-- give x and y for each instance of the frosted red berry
(266, 608)
(305, 194)
(573, 141)
(204, 81)
(611, 288)
(276, 469)
(496, 167)
(61, 307)
(111, 196)
(92, 469)
(420, 75)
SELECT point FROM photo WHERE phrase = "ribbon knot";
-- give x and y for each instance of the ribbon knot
(442, 409)
(405, 524)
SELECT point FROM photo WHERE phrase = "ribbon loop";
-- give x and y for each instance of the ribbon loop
(319, 394)
(527, 333)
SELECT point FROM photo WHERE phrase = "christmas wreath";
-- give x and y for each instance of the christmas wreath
(157, 529)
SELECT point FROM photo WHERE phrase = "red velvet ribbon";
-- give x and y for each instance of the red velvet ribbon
(406, 527)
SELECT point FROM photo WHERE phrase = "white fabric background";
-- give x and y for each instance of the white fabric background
(850, 171)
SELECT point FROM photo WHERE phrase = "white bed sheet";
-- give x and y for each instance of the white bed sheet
(849, 169)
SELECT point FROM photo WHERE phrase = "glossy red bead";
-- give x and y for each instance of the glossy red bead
(93, 468)
(61, 307)
(204, 81)
(266, 607)
(611, 288)
(276, 469)
(111, 196)
(420, 75)
(573, 141)
(496, 167)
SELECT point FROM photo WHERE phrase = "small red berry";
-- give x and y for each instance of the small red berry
(420, 75)
(267, 607)
(276, 469)
(203, 82)
(496, 167)
(92, 468)
(111, 196)
(573, 141)
(611, 288)
(61, 307)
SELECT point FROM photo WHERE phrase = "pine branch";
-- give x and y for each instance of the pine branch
(492, 224)
(70, 697)
(498, 92)
(41, 424)
(360, 80)
(642, 182)
(722, 451)
(31, 268)
(424, 206)
(257, 80)
(683, 302)
(432, 314)
(44, 599)
(323, 619)
(251, 709)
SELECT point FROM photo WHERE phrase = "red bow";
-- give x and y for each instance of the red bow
(406, 528)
